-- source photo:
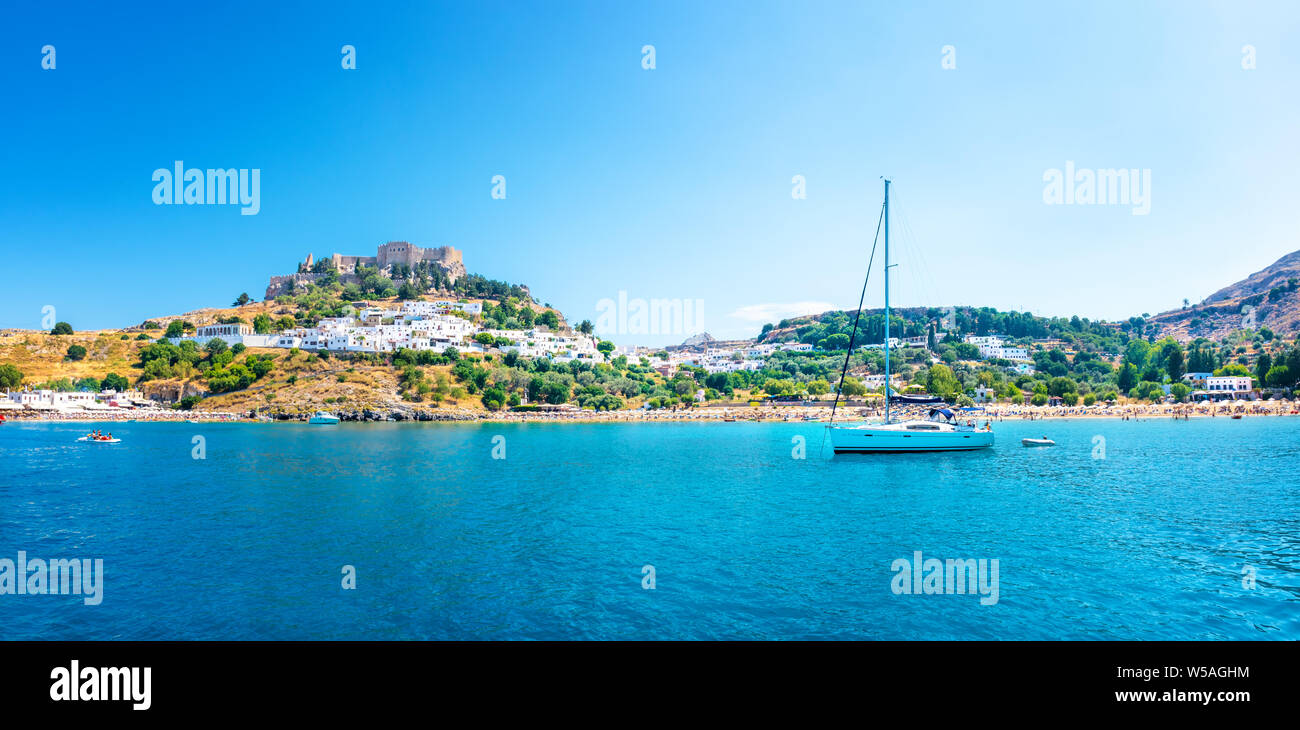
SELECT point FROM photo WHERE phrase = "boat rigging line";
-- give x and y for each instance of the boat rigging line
(853, 338)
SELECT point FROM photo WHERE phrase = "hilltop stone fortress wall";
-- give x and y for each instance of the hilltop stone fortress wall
(450, 259)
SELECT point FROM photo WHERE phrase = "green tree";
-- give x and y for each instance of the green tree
(942, 382)
(853, 386)
(1262, 366)
(605, 347)
(1278, 376)
(61, 328)
(409, 290)
(494, 398)
(76, 352)
(1060, 386)
(1137, 353)
(1176, 364)
(156, 370)
(1128, 377)
(243, 299)
(837, 341)
(10, 376)
(1233, 368)
(1179, 391)
(116, 382)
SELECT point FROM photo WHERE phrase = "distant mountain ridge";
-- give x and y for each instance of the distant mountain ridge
(1277, 274)
(1267, 298)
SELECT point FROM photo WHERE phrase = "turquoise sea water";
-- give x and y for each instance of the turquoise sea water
(746, 541)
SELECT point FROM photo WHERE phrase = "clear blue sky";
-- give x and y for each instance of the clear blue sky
(670, 183)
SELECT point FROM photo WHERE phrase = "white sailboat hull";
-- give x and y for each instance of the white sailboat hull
(883, 439)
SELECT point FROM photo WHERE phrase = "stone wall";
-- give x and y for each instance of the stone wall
(393, 252)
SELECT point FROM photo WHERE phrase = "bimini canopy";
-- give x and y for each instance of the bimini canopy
(915, 399)
(942, 413)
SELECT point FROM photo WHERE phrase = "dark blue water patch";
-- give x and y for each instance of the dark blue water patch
(1124, 530)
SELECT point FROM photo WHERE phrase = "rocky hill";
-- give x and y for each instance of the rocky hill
(1279, 274)
(1268, 298)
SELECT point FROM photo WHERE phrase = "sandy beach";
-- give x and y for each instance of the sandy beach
(737, 413)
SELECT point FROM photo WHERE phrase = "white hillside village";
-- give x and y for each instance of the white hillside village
(415, 326)
(421, 325)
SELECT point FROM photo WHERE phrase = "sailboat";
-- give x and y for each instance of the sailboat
(939, 432)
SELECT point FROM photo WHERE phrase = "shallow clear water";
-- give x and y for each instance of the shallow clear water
(746, 541)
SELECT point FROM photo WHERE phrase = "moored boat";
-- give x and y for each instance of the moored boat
(323, 418)
(940, 432)
(937, 433)
(1044, 441)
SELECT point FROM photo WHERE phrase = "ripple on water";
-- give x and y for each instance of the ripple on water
(1148, 543)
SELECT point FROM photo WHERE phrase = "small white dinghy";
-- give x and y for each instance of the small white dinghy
(99, 441)
(1044, 441)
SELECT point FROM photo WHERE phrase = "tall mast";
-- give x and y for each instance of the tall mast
(886, 300)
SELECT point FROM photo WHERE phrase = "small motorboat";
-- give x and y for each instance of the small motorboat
(90, 440)
(323, 418)
(1044, 441)
(1236, 416)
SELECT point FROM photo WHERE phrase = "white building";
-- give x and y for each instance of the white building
(55, 400)
(441, 306)
(224, 331)
(878, 381)
(1228, 384)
